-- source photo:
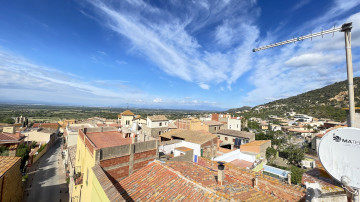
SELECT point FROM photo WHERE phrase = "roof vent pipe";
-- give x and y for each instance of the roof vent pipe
(221, 174)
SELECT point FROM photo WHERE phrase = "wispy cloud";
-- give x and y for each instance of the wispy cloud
(296, 68)
(300, 4)
(173, 44)
(18, 73)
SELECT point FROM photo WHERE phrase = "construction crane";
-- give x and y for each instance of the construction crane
(346, 28)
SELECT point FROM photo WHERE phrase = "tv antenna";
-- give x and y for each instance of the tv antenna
(346, 28)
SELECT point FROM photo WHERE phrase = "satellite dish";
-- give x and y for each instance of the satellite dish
(339, 153)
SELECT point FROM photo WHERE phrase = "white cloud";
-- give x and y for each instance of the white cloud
(204, 86)
(313, 59)
(157, 100)
(36, 82)
(170, 42)
(318, 64)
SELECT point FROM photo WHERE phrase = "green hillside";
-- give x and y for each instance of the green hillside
(326, 102)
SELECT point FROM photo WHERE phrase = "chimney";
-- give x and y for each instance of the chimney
(289, 178)
(221, 174)
(255, 182)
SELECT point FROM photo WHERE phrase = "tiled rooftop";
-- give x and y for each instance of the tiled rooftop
(6, 162)
(235, 133)
(256, 143)
(185, 181)
(46, 125)
(108, 139)
(9, 137)
(158, 118)
(213, 123)
(127, 113)
(198, 137)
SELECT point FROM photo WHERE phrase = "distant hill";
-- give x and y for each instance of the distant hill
(326, 102)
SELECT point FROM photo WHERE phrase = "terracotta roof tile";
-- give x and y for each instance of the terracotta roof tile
(6, 162)
(9, 137)
(127, 113)
(108, 139)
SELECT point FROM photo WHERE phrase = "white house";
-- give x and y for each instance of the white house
(234, 123)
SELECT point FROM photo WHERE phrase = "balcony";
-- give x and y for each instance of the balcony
(78, 178)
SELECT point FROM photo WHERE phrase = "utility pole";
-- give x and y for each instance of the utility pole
(346, 28)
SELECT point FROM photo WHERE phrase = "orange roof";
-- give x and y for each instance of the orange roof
(46, 125)
(256, 143)
(10, 138)
(183, 149)
(108, 139)
(6, 162)
(127, 113)
(185, 181)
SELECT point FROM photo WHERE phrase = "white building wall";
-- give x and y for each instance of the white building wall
(167, 149)
(156, 124)
(234, 124)
(228, 157)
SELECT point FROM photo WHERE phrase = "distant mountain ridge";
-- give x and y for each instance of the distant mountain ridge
(326, 102)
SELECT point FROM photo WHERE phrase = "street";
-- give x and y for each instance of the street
(47, 178)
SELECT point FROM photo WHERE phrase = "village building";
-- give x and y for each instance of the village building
(257, 147)
(11, 188)
(202, 181)
(126, 118)
(155, 126)
(202, 143)
(107, 155)
(234, 123)
(232, 139)
(11, 141)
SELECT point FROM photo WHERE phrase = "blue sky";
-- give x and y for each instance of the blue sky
(170, 54)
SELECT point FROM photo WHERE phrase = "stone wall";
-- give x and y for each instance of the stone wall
(11, 187)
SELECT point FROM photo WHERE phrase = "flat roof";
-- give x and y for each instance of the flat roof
(235, 133)
(183, 149)
(108, 139)
(6, 162)
(198, 137)
(256, 143)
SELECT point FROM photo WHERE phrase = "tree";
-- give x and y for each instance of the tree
(23, 152)
(294, 154)
(270, 154)
(8, 120)
(296, 174)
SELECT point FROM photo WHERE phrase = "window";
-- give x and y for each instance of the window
(226, 138)
(160, 124)
(127, 122)
(237, 125)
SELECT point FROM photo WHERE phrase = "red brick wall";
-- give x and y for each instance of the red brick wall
(114, 161)
(119, 172)
(215, 117)
(81, 133)
(209, 143)
(89, 146)
(145, 154)
(141, 164)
